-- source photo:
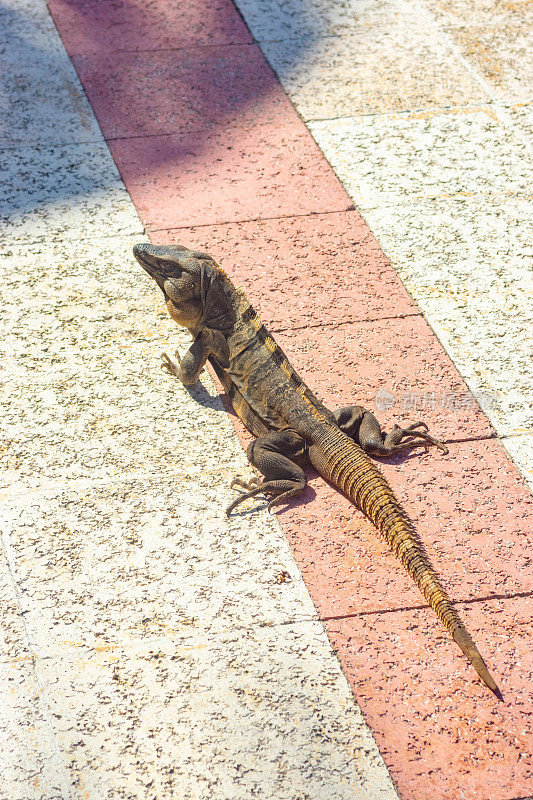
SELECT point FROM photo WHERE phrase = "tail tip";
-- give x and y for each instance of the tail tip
(497, 692)
(465, 642)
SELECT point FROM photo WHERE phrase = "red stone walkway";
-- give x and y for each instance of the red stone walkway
(215, 157)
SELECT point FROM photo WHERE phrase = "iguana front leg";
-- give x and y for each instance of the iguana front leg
(188, 367)
(362, 426)
(278, 456)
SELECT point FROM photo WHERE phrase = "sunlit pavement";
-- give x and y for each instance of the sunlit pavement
(151, 647)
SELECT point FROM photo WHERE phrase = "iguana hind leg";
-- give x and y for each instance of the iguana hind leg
(362, 426)
(278, 456)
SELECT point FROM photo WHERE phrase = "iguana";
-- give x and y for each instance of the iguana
(292, 427)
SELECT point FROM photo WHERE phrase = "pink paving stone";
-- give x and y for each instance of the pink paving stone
(442, 734)
(470, 508)
(227, 175)
(352, 363)
(303, 271)
(173, 91)
(89, 26)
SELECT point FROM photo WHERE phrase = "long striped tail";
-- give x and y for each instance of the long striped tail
(341, 461)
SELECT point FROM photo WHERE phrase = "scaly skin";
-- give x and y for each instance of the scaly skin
(291, 424)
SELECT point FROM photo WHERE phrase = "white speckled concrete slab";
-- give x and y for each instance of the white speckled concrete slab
(163, 709)
(30, 765)
(520, 449)
(41, 98)
(374, 68)
(390, 159)
(27, 23)
(485, 12)
(502, 53)
(62, 192)
(493, 353)
(521, 115)
(48, 80)
(199, 715)
(273, 20)
(456, 245)
(146, 556)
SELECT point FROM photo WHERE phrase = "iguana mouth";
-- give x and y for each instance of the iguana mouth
(148, 259)
(160, 260)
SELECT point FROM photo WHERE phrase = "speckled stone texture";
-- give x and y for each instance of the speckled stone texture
(62, 192)
(200, 716)
(91, 26)
(273, 20)
(199, 88)
(37, 74)
(433, 721)
(457, 153)
(342, 267)
(141, 699)
(146, 557)
(374, 68)
(28, 23)
(30, 766)
(227, 175)
(156, 663)
(501, 53)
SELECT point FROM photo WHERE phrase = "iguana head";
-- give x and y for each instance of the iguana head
(188, 280)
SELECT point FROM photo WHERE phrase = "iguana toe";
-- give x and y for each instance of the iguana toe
(169, 365)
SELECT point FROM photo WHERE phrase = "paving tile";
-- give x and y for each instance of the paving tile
(89, 26)
(28, 24)
(182, 90)
(471, 509)
(41, 100)
(468, 266)
(482, 12)
(262, 713)
(303, 271)
(522, 118)
(495, 361)
(442, 247)
(394, 63)
(273, 20)
(397, 158)
(64, 191)
(83, 328)
(227, 176)
(502, 53)
(29, 765)
(441, 732)
(116, 561)
(394, 367)
(520, 448)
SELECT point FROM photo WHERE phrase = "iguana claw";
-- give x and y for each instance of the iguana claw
(169, 365)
